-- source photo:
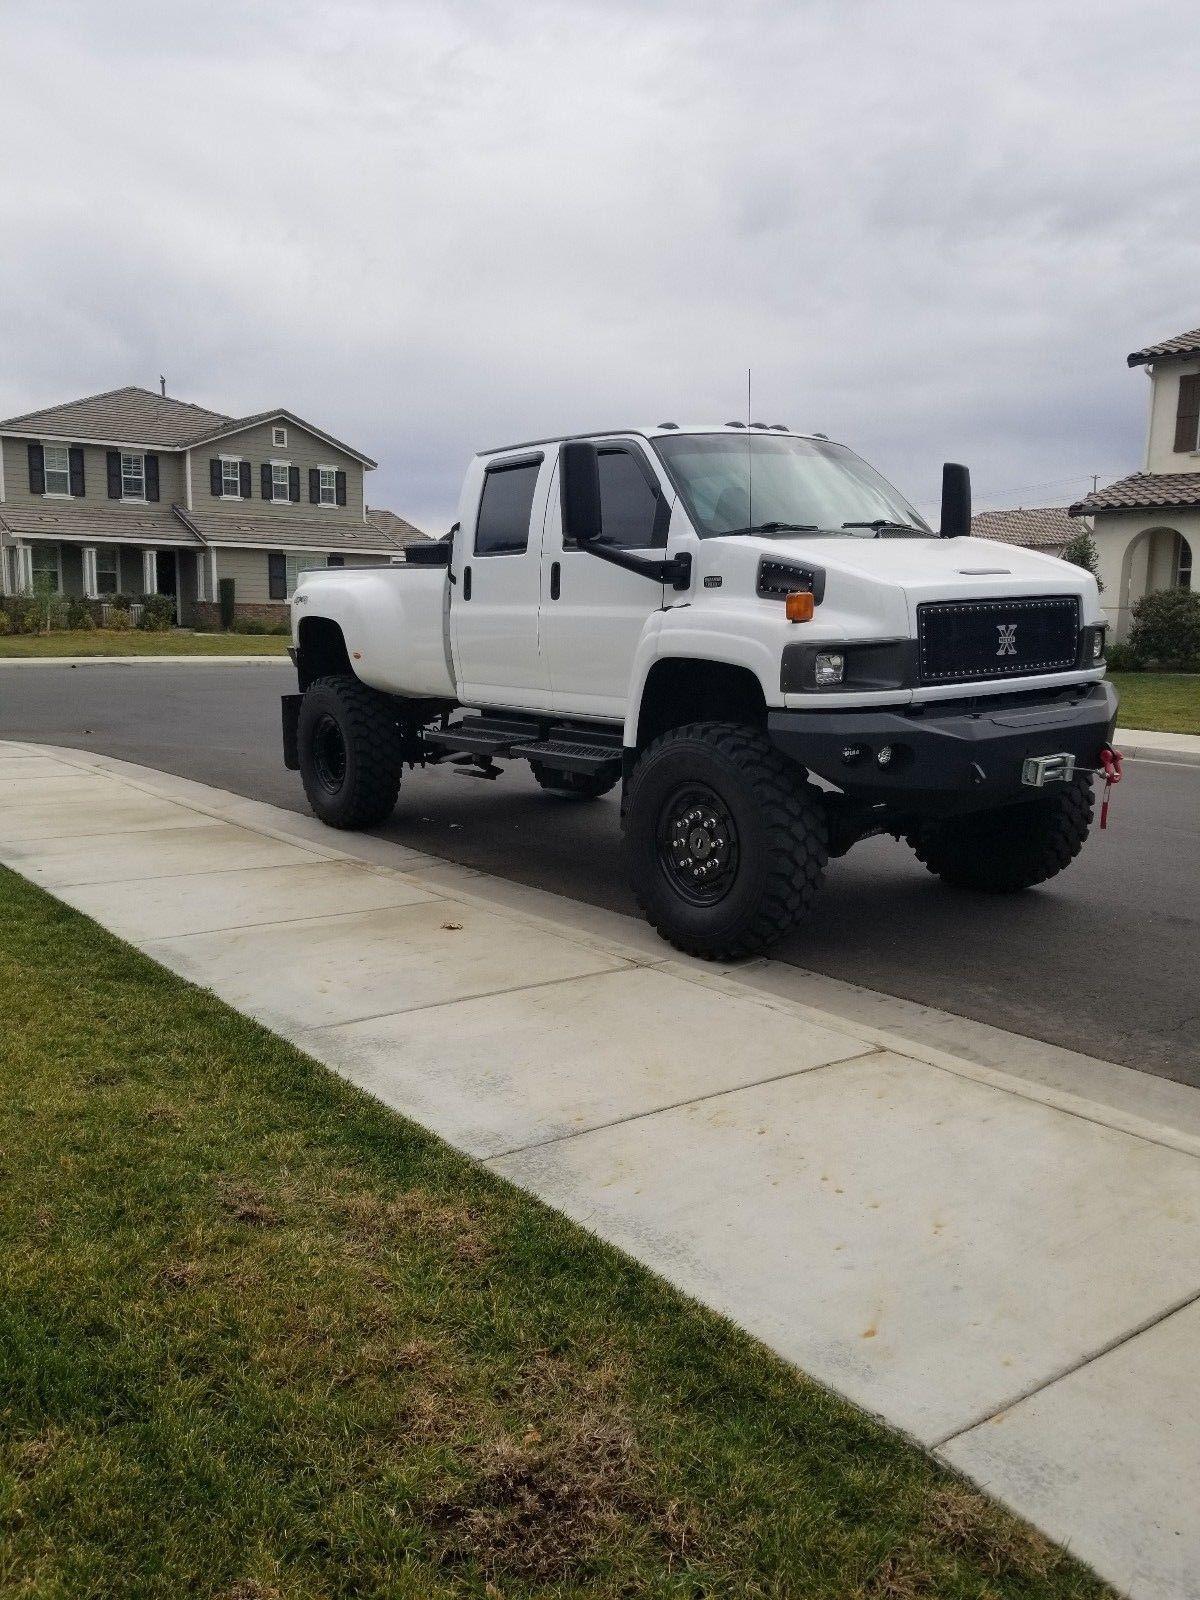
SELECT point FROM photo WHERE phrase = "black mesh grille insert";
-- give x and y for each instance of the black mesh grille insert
(974, 639)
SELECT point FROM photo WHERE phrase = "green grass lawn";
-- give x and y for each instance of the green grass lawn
(260, 1339)
(1165, 702)
(100, 642)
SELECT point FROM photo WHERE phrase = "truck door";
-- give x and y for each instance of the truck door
(494, 609)
(592, 612)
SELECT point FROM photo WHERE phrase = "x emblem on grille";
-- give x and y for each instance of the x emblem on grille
(1008, 638)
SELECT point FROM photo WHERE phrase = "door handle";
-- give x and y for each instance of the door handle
(466, 583)
(555, 579)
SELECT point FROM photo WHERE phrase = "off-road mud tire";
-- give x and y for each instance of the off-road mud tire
(369, 732)
(778, 825)
(1011, 848)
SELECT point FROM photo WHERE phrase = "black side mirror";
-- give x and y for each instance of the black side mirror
(579, 487)
(956, 500)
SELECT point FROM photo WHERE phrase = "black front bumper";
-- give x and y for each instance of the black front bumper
(944, 758)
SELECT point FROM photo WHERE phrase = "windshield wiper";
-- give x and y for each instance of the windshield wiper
(879, 523)
(771, 527)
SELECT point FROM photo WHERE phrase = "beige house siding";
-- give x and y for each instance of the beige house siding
(95, 477)
(1161, 455)
(303, 450)
(248, 569)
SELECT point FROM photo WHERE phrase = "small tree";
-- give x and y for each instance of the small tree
(1081, 552)
(1166, 629)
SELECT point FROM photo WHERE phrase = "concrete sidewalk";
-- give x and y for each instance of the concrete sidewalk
(991, 1243)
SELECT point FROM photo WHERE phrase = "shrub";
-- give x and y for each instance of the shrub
(118, 620)
(1081, 551)
(79, 614)
(1166, 630)
(228, 603)
(157, 613)
(121, 602)
(251, 625)
(1120, 658)
(25, 614)
(281, 629)
(5, 623)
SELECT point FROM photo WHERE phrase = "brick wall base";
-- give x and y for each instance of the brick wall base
(208, 613)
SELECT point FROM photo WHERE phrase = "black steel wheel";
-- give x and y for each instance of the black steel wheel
(348, 740)
(725, 842)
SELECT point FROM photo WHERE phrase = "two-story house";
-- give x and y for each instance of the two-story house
(1147, 525)
(134, 493)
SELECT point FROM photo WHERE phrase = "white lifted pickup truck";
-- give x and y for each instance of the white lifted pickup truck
(752, 633)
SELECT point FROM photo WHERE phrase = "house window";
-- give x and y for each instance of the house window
(296, 564)
(328, 486)
(231, 479)
(133, 476)
(58, 469)
(1183, 565)
(337, 561)
(47, 569)
(280, 487)
(108, 569)
(279, 438)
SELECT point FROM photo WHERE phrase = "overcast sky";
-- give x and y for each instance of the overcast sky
(932, 229)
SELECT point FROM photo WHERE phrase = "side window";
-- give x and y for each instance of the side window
(632, 515)
(504, 508)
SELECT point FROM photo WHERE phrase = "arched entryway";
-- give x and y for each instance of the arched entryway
(1155, 558)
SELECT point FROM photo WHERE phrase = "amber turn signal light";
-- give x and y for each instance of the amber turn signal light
(799, 606)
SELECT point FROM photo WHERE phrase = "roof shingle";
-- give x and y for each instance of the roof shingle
(287, 533)
(1143, 491)
(1183, 344)
(123, 416)
(98, 524)
(1033, 527)
(395, 528)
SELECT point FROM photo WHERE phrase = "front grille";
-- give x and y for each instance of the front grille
(964, 640)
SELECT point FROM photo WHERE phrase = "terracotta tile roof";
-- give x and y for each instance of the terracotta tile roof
(97, 524)
(122, 416)
(1034, 527)
(1183, 344)
(1143, 491)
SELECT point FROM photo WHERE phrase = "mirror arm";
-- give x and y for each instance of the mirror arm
(677, 571)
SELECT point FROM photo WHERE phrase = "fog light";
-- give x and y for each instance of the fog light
(884, 755)
(852, 753)
(829, 668)
(1097, 644)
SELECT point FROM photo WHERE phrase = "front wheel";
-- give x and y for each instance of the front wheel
(1013, 848)
(349, 747)
(725, 845)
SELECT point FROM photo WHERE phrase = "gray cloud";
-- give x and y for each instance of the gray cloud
(931, 229)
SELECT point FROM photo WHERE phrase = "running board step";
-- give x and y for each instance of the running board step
(571, 755)
(563, 747)
(478, 736)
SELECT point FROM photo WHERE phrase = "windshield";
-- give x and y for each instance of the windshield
(739, 482)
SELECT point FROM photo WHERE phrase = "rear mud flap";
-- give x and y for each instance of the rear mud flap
(290, 708)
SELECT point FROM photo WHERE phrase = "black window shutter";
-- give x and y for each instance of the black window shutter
(37, 469)
(1187, 417)
(276, 575)
(113, 462)
(75, 456)
(264, 480)
(294, 483)
(244, 479)
(314, 486)
(340, 494)
(151, 464)
(214, 476)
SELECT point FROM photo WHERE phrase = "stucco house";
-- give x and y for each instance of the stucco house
(1147, 525)
(131, 492)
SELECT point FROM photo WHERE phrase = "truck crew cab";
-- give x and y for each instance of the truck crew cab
(754, 635)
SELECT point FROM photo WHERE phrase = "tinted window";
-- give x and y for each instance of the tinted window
(629, 506)
(504, 507)
(277, 575)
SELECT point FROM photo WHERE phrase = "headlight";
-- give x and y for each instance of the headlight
(829, 668)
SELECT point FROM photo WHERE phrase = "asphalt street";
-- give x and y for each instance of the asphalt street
(1105, 959)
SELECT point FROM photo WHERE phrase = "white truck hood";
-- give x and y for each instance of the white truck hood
(944, 567)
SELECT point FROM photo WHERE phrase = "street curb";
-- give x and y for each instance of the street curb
(1140, 744)
(143, 661)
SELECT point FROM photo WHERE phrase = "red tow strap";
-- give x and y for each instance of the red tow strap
(1112, 765)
